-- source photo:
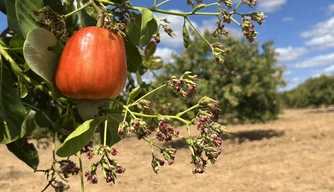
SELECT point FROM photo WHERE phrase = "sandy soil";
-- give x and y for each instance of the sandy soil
(295, 153)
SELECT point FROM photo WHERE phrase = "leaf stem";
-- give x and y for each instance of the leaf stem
(187, 110)
(147, 94)
(31, 106)
(237, 7)
(176, 13)
(151, 143)
(80, 14)
(105, 131)
(139, 79)
(235, 21)
(99, 13)
(12, 49)
(156, 116)
(79, 152)
(195, 29)
(77, 10)
(166, 1)
(81, 172)
(131, 113)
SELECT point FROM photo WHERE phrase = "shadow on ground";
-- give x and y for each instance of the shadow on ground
(239, 137)
(326, 110)
(253, 135)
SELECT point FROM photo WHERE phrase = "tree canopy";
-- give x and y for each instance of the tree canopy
(246, 84)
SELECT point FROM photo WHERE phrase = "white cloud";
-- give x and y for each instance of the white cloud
(290, 53)
(148, 77)
(330, 9)
(291, 84)
(295, 80)
(287, 73)
(321, 42)
(270, 6)
(321, 36)
(329, 69)
(287, 19)
(321, 60)
(165, 53)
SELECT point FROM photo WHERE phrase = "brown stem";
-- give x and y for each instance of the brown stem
(99, 13)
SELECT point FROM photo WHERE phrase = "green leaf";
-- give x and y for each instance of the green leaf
(55, 5)
(117, 1)
(3, 6)
(22, 87)
(40, 59)
(142, 29)
(25, 151)
(17, 42)
(186, 38)
(29, 123)
(26, 19)
(11, 16)
(41, 120)
(146, 15)
(78, 138)
(133, 57)
(154, 63)
(150, 49)
(133, 94)
(62, 122)
(112, 136)
(11, 109)
(133, 28)
(89, 19)
(89, 15)
(151, 29)
(89, 108)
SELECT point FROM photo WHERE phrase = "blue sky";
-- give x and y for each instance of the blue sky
(303, 32)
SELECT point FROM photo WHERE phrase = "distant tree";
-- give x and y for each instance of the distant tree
(312, 93)
(245, 85)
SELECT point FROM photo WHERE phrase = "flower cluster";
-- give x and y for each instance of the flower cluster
(208, 143)
(248, 29)
(250, 3)
(184, 85)
(88, 149)
(122, 12)
(257, 17)
(219, 51)
(169, 155)
(228, 3)
(139, 127)
(144, 106)
(156, 162)
(91, 174)
(157, 38)
(110, 167)
(59, 186)
(68, 167)
(165, 132)
(168, 30)
(52, 22)
(192, 4)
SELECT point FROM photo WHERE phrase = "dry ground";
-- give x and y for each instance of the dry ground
(295, 153)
